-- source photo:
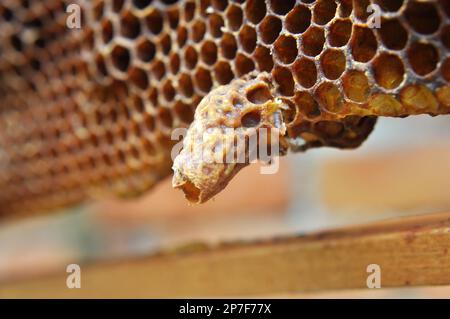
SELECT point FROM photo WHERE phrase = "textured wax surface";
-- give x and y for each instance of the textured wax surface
(90, 111)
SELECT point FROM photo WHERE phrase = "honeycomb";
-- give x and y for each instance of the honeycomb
(89, 112)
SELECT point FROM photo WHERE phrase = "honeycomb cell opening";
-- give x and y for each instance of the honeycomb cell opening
(363, 44)
(263, 59)
(141, 4)
(393, 34)
(259, 94)
(340, 32)
(283, 78)
(388, 71)
(286, 49)
(305, 72)
(251, 119)
(203, 80)
(223, 73)
(154, 22)
(423, 58)
(390, 5)
(247, 38)
(423, 17)
(255, 10)
(120, 58)
(356, 86)
(234, 17)
(215, 25)
(313, 41)
(281, 7)
(324, 11)
(298, 20)
(243, 65)
(333, 63)
(270, 29)
(130, 26)
(185, 85)
(228, 46)
(208, 52)
(139, 78)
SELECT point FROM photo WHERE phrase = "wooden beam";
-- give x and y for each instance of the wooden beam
(410, 252)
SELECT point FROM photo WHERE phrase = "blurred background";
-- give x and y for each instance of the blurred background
(402, 169)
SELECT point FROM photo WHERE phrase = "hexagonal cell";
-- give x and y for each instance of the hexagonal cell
(263, 58)
(333, 63)
(329, 97)
(356, 86)
(173, 17)
(281, 7)
(306, 104)
(182, 35)
(158, 69)
(185, 85)
(130, 26)
(234, 17)
(324, 11)
(155, 21)
(422, 17)
(270, 29)
(247, 38)
(255, 10)
(313, 41)
(228, 46)
(340, 32)
(305, 72)
(141, 4)
(393, 34)
(208, 52)
(189, 11)
(138, 77)
(174, 63)
(101, 66)
(145, 50)
(388, 70)
(243, 65)
(298, 20)
(184, 112)
(168, 91)
(203, 80)
(165, 43)
(251, 119)
(284, 80)
(219, 5)
(360, 9)
(165, 117)
(98, 10)
(259, 94)
(390, 5)
(120, 58)
(345, 8)
(190, 57)
(423, 58)
(223, 72)
(363, 44)
(198, 31)
(107, 31)
(215, 25)
(285, 49)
